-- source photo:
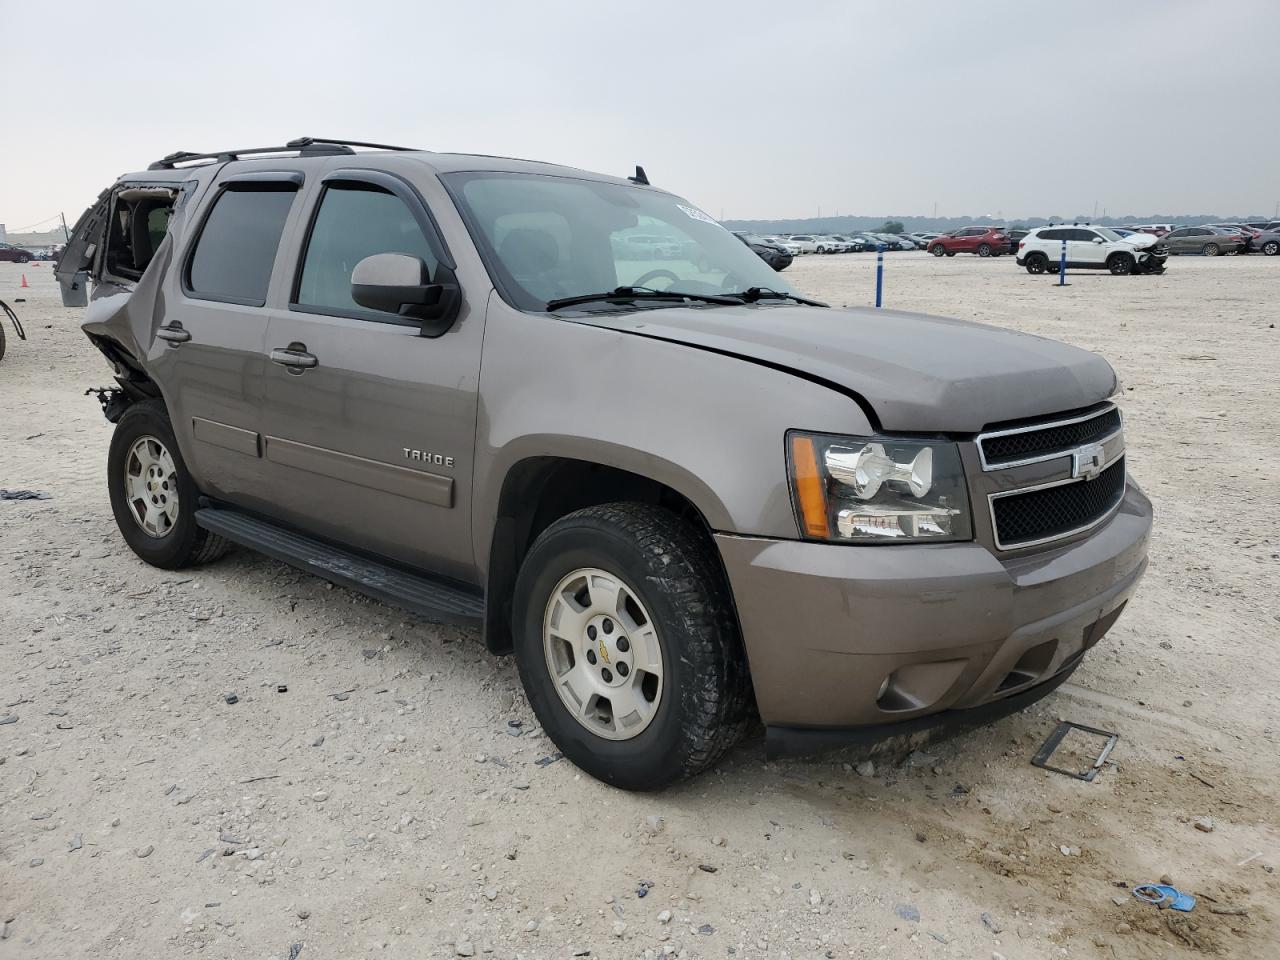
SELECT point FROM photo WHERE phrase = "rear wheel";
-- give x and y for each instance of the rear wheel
(1120, 264)
(1037, 263)
(1270, 248)
(1210, 250)
(628, 647)
(984, 250)
(938, 250)
(152, 495)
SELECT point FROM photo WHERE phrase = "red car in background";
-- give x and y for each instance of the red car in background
(984, 241)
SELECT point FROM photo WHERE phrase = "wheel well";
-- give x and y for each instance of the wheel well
(535, 494)
(135, 384)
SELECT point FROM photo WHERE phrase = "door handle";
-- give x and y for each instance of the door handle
(173, 333)
(295, 355)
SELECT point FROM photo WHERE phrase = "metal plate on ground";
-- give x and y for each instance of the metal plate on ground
(1047, 749)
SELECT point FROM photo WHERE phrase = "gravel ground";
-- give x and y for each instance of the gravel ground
(380, 786)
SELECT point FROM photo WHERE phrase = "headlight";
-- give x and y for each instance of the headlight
(877, 490)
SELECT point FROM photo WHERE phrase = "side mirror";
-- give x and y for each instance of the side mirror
(400, 284)
(1097, 240)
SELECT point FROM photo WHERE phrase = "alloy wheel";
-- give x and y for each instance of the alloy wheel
(603, 653)
(151, 486)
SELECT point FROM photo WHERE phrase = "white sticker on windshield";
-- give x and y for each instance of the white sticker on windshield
(695, 213)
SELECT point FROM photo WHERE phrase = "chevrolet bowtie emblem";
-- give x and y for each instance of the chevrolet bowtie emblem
(1087, 461)
(604, 652)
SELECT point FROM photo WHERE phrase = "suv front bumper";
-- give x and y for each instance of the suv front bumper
(952, 628)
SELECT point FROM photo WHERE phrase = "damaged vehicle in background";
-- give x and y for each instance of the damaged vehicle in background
(1091, 248)
(772, 254)
(680, 493)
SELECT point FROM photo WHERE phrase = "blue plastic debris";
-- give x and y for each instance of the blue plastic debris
(1165, 897)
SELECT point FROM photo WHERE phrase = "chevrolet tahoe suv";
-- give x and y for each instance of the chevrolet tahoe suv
(682, 494)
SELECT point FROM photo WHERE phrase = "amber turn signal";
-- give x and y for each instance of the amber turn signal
(809, 486)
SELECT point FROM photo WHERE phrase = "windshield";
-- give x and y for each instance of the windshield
(1109, 234)
(548, 238)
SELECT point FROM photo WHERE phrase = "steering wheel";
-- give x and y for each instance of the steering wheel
(644, 281)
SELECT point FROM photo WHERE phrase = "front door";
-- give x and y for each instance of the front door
(1085, 247)
(369, 426)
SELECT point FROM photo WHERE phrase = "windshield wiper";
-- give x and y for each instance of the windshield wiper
(640, 293)
(756, 294)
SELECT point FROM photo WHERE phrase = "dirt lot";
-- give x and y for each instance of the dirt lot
(389, 804)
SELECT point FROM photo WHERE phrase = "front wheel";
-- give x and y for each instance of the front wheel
(152, 495)
(628, 647)
(1120, 264)
(1211, 250)
(1270, 248)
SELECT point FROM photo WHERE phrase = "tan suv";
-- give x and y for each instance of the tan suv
(679, 492)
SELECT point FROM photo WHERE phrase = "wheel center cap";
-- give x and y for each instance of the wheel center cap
(608, 650)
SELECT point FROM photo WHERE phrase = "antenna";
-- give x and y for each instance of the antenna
(640, 177)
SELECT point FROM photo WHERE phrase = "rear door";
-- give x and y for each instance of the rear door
(371, 446)
(208, 355)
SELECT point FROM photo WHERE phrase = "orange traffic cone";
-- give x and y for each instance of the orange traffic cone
(24, 283)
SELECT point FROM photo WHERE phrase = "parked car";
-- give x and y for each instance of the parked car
(1269, 225)
(11, 254)
(806, 242)
(1015, 237)
(1090, 248)
(828, 244)
(888, 240)
(852, 244)
(435, 391)
(773, 255)
(1267, 242)
(1156, 229)
(983, 241)
(922, 239)
(908, 242)
(1207, 241)
(785, 244)
(648, 247)
(1249, 235)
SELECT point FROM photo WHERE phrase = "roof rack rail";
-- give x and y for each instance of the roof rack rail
(305, 146)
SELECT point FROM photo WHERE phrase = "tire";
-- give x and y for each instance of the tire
(2, 343)
(1037, 263)
(1210, 250)
(24, 259)
(175, 541)
(701, 702)
(984, 250)
(951, 253)
(939, 250)
(1270, 248)
(1120, 264)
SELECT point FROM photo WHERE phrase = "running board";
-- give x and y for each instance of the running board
(413, 592)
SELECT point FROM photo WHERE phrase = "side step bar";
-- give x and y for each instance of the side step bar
(419, 594)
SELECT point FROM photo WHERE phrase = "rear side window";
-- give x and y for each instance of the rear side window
(1053, 234)
(355, 221)
(237, 246)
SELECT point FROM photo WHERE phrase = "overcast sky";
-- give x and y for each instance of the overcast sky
(750, 109)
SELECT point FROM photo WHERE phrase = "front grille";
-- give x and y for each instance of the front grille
(1038, 515)
(1020, 444)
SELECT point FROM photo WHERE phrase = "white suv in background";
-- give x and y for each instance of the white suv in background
(1091, 248)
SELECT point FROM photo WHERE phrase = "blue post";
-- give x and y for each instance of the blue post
(880, 273)
(1062, 266)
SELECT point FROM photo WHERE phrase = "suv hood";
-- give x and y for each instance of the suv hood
(915, 372)
(1141, 241)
